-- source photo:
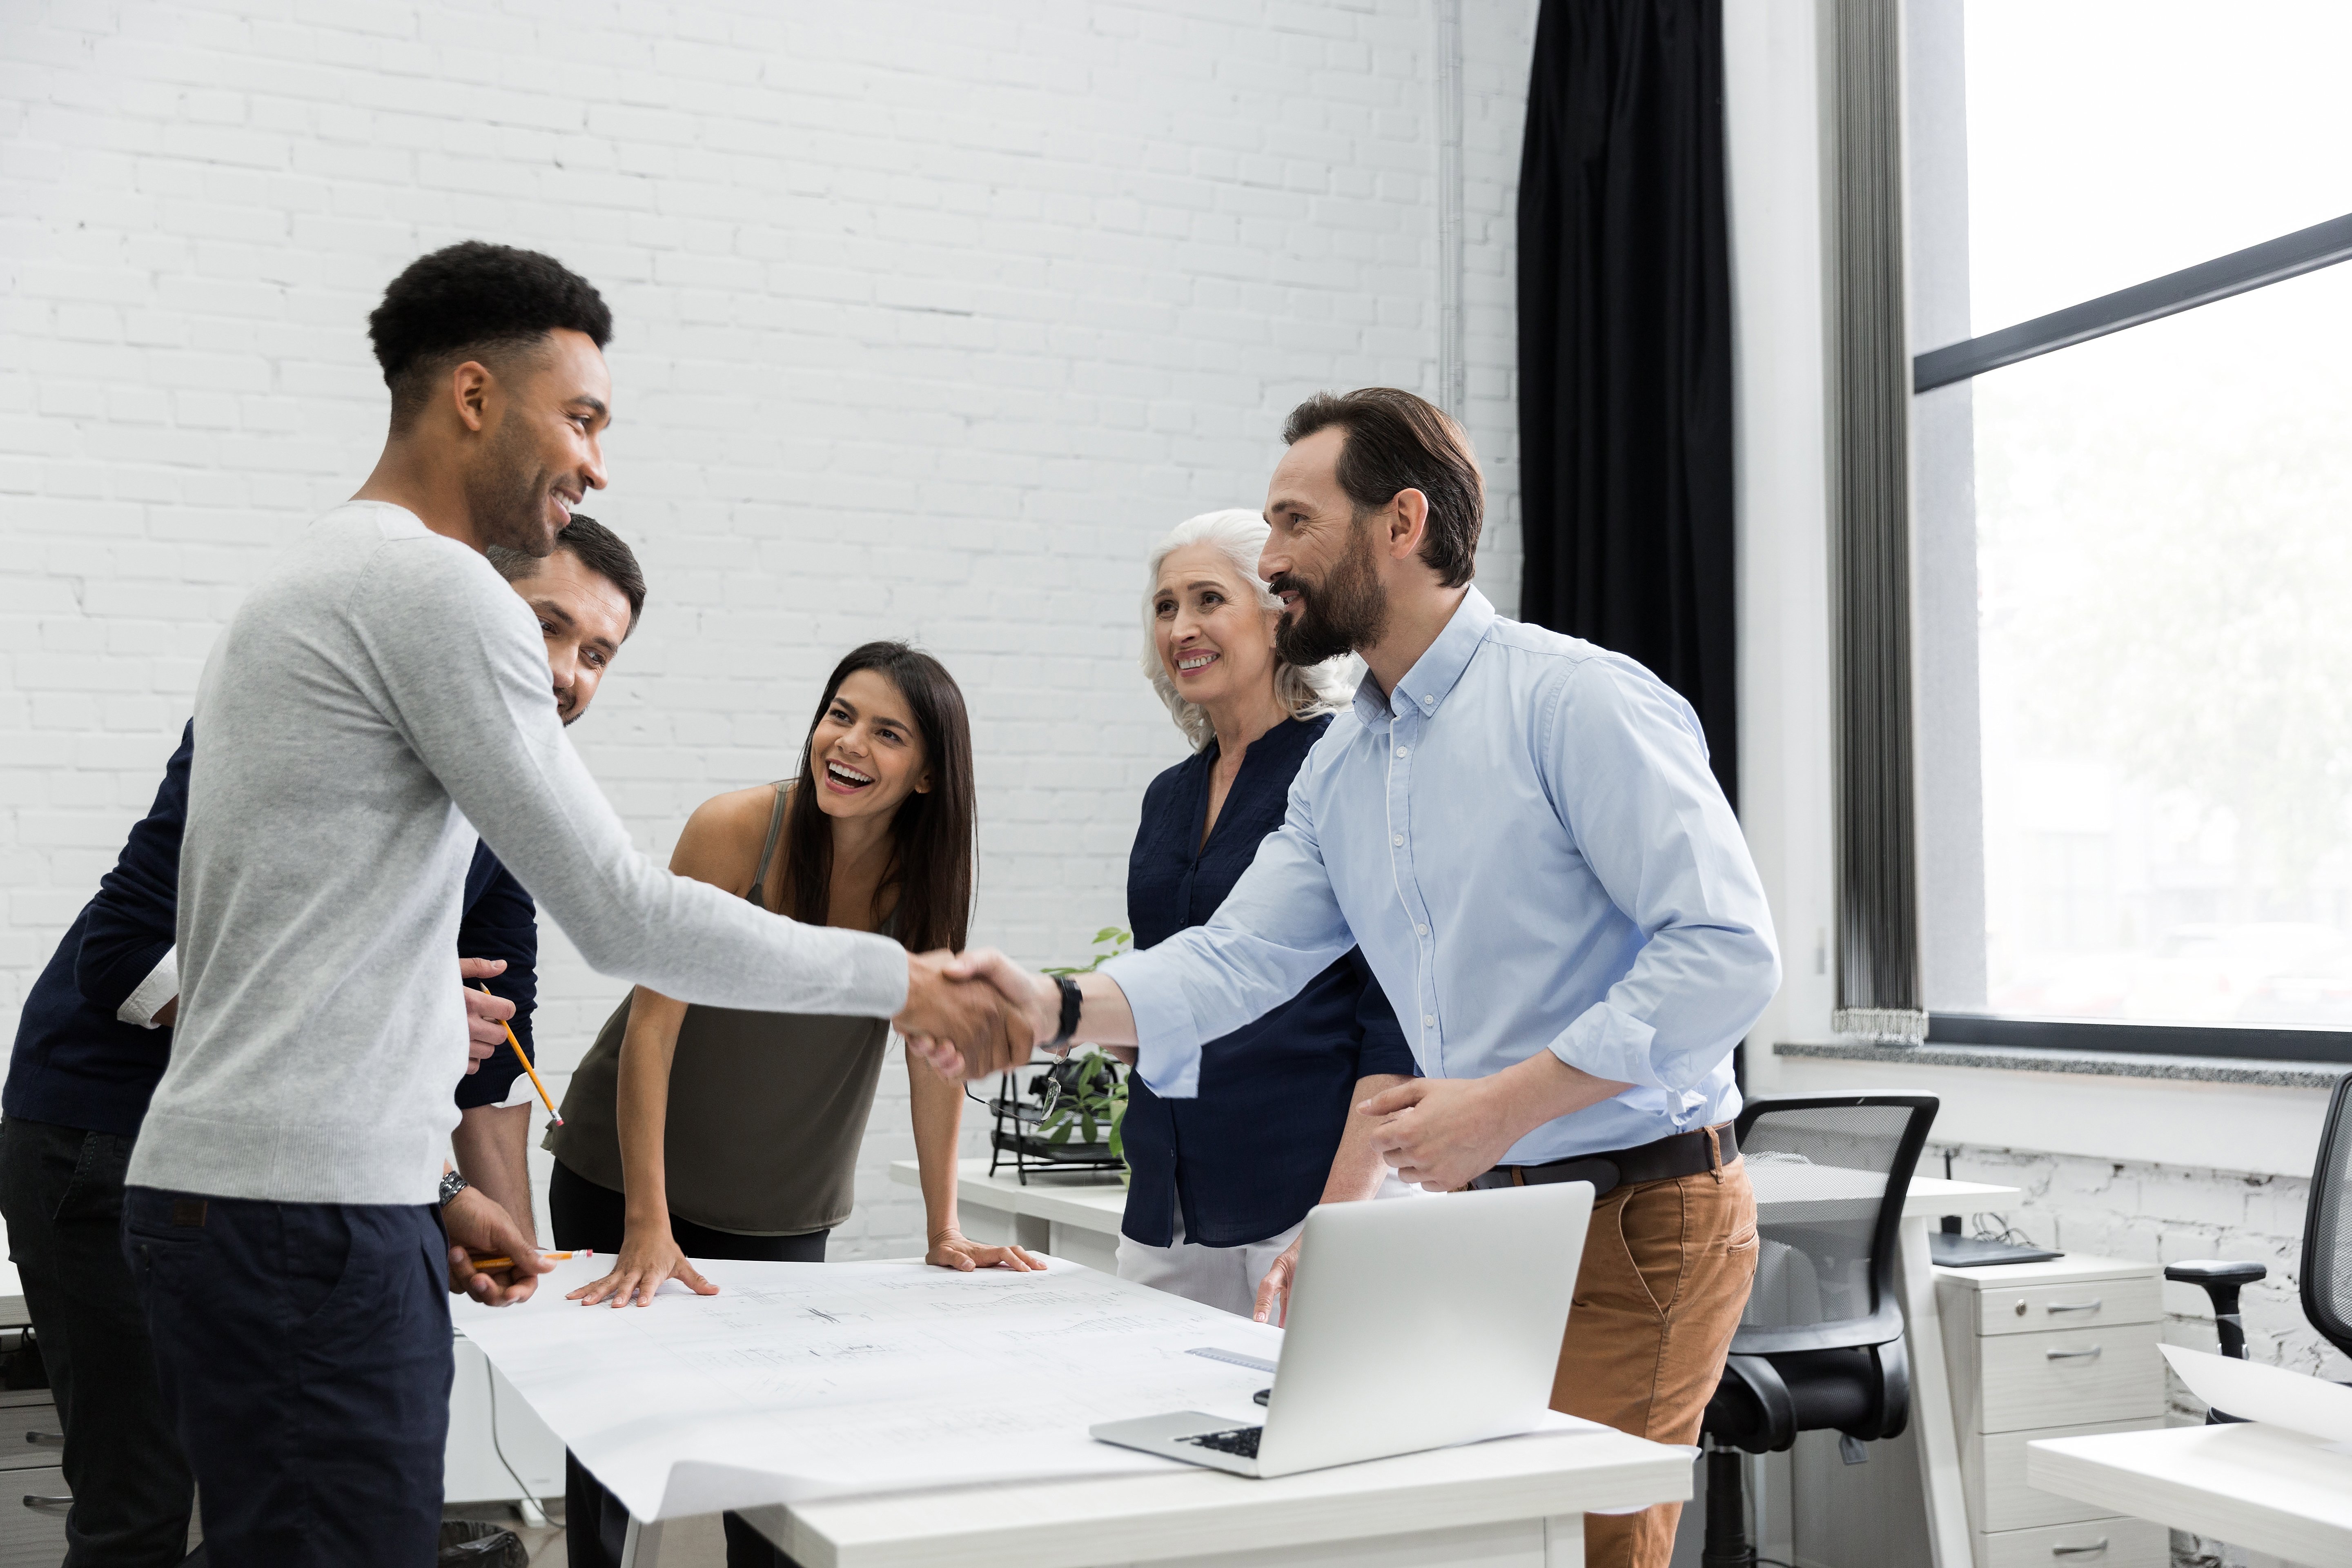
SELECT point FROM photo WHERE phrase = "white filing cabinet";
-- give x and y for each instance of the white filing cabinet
(2062, 1348)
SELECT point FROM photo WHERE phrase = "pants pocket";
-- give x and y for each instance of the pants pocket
(94, 1190)
(1654, 1221)
(324, 1262)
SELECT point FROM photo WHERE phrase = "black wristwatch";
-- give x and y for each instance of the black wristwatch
(452, 1184)
(1071, 1003)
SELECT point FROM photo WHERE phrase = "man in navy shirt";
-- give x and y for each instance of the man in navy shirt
(94, 1039)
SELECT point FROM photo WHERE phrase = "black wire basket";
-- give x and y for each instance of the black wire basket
(1020, 1134)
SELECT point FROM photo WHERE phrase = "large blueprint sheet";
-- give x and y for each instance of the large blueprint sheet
(804, 1380)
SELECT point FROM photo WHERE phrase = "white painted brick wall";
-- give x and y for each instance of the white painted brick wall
(2168, 1214)
(930, 318)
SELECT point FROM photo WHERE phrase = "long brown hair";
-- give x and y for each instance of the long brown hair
(931, 832)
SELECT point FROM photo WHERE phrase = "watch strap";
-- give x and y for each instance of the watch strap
(1072, 1003)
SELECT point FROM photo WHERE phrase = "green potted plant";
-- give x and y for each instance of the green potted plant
(1079, 1104)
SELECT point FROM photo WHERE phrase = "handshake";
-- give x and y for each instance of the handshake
(976, 1014)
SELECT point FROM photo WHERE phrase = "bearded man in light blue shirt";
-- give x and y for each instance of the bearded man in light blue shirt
(1522, 833)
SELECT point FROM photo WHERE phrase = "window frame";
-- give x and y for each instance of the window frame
(2258, 265)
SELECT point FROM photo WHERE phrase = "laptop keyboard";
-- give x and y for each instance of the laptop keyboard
(1240, 1441)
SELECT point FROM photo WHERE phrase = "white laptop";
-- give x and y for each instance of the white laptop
(1413, 1325)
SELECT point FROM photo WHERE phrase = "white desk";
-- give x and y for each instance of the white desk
(1519, 1503)
(1076, 1216)
(2252, 1486)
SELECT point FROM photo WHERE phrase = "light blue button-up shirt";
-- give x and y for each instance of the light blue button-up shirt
(1526, 840)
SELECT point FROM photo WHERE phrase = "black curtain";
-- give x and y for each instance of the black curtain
(1625, 345)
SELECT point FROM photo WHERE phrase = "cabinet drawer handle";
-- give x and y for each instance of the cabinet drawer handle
(40, 1438)
(35, 1501)
(2090, 1354)
(2091, 1306)
(2099, 1545)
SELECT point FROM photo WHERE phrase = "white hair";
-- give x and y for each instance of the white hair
(1304, 690)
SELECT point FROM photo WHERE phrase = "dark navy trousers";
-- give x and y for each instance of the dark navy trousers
(61, 1191)
(304, 1355)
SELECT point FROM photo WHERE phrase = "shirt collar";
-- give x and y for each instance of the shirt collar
(1432, 676)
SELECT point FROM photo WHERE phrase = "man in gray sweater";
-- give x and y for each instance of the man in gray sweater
(381, 696)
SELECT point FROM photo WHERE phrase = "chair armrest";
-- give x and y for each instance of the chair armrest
(2221, 1279)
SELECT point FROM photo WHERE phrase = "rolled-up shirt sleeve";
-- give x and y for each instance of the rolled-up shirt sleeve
(1628, 770)
(1278, 928)
(1381, 1050)
(148, 997)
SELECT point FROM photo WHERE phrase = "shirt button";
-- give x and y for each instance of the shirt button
(1429, 703)
(1404, 750)
(1430, 1019)
(1422, 931)
(1397, 841)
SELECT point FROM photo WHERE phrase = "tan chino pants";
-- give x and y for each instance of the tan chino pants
(1664, 1278)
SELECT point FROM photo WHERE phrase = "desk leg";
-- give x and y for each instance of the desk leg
(1931, 1405)
(1564, 1540)
(640, 1547)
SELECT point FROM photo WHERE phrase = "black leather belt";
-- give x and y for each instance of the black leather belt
(1689, 1153)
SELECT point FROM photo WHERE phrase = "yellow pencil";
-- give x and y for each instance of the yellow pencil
(485, 1265)
(545, 1098)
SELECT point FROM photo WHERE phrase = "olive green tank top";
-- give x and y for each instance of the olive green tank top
(766, 1110)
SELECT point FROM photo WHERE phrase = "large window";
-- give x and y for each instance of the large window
(2134, 560)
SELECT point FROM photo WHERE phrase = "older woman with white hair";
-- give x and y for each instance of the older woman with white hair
(1221, 1183)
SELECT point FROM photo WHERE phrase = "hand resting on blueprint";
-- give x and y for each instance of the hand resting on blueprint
(951, 1249)
(649, 1255)
(478, 1227)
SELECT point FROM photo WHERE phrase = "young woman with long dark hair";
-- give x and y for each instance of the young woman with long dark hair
(697, 1131)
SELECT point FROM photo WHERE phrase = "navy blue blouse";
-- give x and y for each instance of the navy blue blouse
(1249, 1157)
(76, 1065)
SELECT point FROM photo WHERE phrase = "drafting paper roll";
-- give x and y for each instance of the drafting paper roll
(2252, 1392)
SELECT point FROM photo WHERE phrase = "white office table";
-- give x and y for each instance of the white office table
(2252, 1486)
(1076, 1216)
(1518, 1503)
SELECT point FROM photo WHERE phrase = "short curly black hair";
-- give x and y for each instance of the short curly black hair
(474, 296)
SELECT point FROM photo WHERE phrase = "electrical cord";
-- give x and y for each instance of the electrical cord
(2006, 1232)
(490, 1378)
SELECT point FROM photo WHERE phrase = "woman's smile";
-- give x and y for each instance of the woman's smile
(1193, 662)
(843, 779)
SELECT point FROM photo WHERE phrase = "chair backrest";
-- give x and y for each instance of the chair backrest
(1830, 1174)
(2327, 1225)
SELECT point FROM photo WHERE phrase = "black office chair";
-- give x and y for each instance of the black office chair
(2327, 1249)
(1820, 1345)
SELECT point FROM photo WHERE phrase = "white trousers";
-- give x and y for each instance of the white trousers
(1225, 1277)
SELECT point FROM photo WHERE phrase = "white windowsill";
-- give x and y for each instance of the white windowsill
(2262, 1117)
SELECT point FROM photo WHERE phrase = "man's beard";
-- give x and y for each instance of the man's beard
(1348, 611)
(507, 497)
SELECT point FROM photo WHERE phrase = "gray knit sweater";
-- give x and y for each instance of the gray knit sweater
(380, 697)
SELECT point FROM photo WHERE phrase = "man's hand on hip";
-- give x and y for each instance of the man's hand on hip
(1441, 1132)
(485, 1016)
